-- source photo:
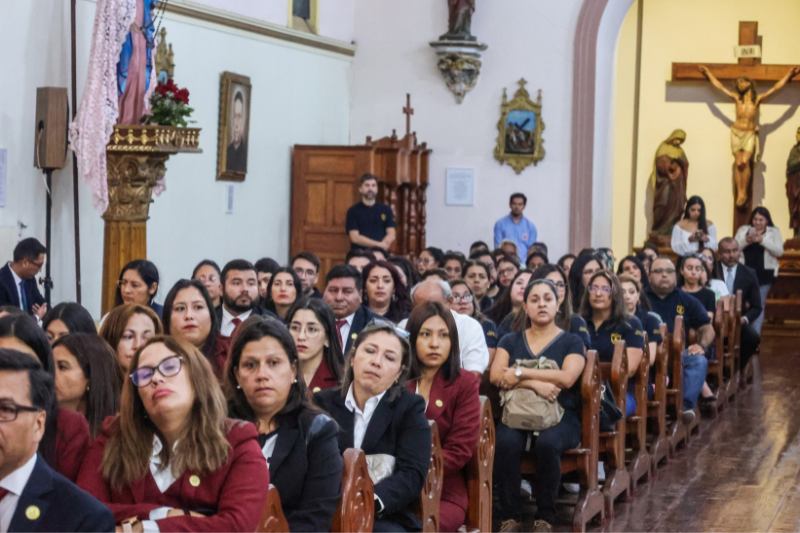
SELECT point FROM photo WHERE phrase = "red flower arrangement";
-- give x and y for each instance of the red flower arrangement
(170, 106)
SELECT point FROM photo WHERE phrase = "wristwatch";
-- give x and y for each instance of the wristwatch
(518, 372)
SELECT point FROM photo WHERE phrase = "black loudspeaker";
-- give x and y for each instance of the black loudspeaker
(52, 123)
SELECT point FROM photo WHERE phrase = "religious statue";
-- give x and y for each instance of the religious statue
(793, 186)
(136, 64)
(670, 170)
(744, 132)
(460, 22)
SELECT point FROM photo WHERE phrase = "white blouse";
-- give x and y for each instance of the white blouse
(682, 246)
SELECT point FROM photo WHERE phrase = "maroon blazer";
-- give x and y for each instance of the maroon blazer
(235, 493)
(323, 379)
(456, 409)
(72, 443)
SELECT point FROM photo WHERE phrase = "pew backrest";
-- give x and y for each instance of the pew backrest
(272, 518)
(479, 474)
(428, 503)
(355, 512)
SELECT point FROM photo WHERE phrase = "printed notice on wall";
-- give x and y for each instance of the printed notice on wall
(3, 173)
(460, 186)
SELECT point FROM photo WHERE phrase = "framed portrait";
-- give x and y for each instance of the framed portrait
(520, 142)
(234, 127)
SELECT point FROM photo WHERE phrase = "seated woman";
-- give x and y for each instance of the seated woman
(633, 266)
(694, 232)
(464, 304)
(408, 274)
(67, 318)
(430, 257)
(565, 262)
(507, 268)
(283, 291)
(208, 273)
(87, 378)
(264, 385)
(313, 328)
(536, 259)
(127, 328)
(604, 310)
(582, 269)
(453, 264)
(712, 275)
(477, 274)
(189, 315)
(384, 292)
(66, 434)
(377, 413)
(171, 460)
(138, 284)
(513, 297)
(452, 401)
(690, 274)
(566, 319)
(637, 304)
(542, 338)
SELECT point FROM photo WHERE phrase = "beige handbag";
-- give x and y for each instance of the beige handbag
(524, 409)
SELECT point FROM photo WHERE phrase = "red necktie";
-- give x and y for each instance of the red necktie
(236, 322)
(339, 324)
(3, 493)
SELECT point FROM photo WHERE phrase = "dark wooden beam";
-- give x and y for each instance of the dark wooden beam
(724, 71)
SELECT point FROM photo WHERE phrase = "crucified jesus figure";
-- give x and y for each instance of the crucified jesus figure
(744, 132)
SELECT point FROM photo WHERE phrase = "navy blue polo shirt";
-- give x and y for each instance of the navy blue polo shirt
(679, 303)
(578, 327)
(605, 337)
(370, 221)
(651, 324)
(490, 332)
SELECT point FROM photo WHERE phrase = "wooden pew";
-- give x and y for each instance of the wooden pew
(427, 507)
(272, 519)
(612, 443)
(584, 459)
(677, 432)
(748, 372)
(640, 463)
(659, 447)
(715, 376)
(732, 345)
(355, 512)
(479, 474)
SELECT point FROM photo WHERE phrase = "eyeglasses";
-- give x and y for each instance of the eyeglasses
(9, 410)
(403, 334)
(559, 284)
(135, 285)
(312, 331)
(505, 271)
(605, 288)
(660, 271)
(467, 298)
(171, 366)
(425, 261)
(212, 279)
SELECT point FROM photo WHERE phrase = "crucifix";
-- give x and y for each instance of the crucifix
(744, 132)
(408, 111)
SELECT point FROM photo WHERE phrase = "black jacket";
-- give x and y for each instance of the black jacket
(363, 317)
(306, 468)
(56, 504)
(8, 290)
(747, 282)
(398, 427)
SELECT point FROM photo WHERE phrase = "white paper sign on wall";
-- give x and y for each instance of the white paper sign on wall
(747, 51)
(460, 186)
(229, 188)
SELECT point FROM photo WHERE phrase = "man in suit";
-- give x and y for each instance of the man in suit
(344, 294)
(18, 278)
(236, 159)
(32, 496)
(239, 296)
(739, 277)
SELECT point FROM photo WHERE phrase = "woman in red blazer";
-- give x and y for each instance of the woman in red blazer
(313, 327)
(172, 460)
(452, 401)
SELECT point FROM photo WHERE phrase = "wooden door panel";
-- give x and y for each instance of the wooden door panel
(316, 213)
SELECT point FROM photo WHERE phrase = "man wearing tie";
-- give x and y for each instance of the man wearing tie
(739, 277)
(18, 278)
(344, 294)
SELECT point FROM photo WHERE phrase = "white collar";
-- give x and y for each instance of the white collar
(15, 482)
(369, 406)
(17, 279)
(227, 316)
(349, 319)
(155, 457)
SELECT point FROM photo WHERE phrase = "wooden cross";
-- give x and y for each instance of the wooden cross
(408, 111)
(750, 67)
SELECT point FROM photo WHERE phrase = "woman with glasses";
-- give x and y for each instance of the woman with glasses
(171, 460)
(65, 319)
(694, 232)
(451, 399)
(633, 266)
(464, 304)
(377, 413)
(384, 293)
(507, 268)
(510, 302)
(541, 338)
(637, 304)
(264, 384)
(606, 315)
(66, 434)
(138, 284)
(312, 325)
(479, 277)
(283, 291)
(430, 257)
(126, 328)
(690, 278)
(208, 273)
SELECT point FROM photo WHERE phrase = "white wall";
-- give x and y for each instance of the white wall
(526, 39)
(299, 96)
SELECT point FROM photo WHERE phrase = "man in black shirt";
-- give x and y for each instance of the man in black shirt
(370, 223)
(668, 302)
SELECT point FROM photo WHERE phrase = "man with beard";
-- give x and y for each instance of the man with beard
(370, 223)
(239, 296)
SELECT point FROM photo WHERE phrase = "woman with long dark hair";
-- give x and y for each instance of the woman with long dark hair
(694, 232)
(479, 277)
(406, 270)
(67, 318)
(566, 319)
(284, 289)
(430, 257)
(138, 284)
(313, 327)
(208, 273)
(384, 292)
(264, 385)
(634, 305)
(510, 301)
(690, 278)
(633, 266)
(581, 271)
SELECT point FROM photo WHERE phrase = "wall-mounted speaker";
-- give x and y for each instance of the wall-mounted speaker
(52, 123)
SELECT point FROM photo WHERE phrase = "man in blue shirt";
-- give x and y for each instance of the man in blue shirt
(370, 223)
(516, 227)
(668, 302)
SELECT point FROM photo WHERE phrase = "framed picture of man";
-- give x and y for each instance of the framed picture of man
(234, 127)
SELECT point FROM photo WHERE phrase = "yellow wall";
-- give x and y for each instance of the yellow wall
(701, 31)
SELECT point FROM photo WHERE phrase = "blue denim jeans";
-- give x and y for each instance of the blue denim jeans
(694, 375)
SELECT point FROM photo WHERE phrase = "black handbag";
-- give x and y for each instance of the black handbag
(610, 414)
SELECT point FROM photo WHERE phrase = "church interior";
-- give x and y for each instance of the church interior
(177, 131)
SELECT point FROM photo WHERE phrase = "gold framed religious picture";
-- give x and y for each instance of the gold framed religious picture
(234, 127)
(520, 142)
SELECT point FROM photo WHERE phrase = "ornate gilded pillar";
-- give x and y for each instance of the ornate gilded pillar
(136, 162)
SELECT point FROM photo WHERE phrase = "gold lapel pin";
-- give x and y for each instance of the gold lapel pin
(439, 403)
(194, 481)
(33, 512)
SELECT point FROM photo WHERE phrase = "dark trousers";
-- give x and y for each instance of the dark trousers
(547, 449)
(748, 343)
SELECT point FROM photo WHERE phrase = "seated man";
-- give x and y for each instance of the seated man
(471, 339)
(669, 301)
(32, 496)
(343, 293)
(739, 277)
(18, 278)
(306, 265)
(239, 296)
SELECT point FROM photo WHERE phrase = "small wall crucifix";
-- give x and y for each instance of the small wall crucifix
(408, 111)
